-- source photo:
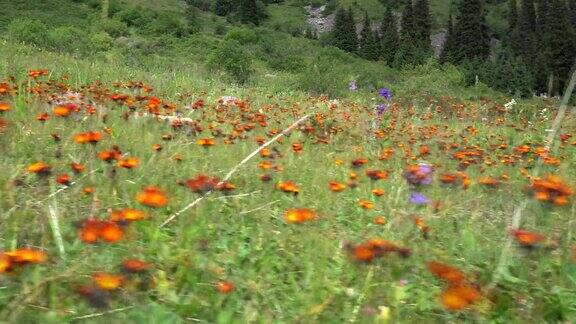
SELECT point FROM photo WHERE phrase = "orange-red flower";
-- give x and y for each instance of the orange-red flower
(4, 107)
(206, 142)
(129, 163)
(39, 168)
(225, 287)
(91, 137)
(107, 281)
(63, 179)
(336, 186)
(62, 110)
(527, 238)
(152, 197)
(365, 204)
(445, 272)
(299, 215)
(202, 184)
(377, 174)
(94, 230)
(288, 186)
(378, 192)
(77, 167)
(458, 297)
(25, 256)
(135, 266)
(551, 189)
(127, 215)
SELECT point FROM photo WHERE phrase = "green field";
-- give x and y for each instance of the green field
(358, 250)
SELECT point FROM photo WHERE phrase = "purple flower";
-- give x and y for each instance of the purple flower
(381, 108)
(353, 86)
(417, 198)
(385, 93)
(419, 175)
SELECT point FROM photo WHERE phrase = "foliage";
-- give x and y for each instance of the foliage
(230, 58)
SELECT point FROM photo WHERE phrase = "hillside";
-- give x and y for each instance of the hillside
(164, 164)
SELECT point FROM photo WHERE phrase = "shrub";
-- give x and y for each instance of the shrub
(113, 27)
(66, 39)
(242, 35)
(29, 31)
(167, 23)
(101, 41)
(232, 59)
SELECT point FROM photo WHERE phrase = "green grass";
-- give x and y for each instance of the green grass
(282, 272)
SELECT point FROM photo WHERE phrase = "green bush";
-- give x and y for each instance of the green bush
(232, 59)
(243, 36)
(29, 31)
(101, 41)
(168, 23)
(66, 39)
(113, 27)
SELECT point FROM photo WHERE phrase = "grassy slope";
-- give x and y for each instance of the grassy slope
(282, 272)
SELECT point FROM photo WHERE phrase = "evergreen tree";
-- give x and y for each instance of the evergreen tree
(529, 13)
(423, 21)
(449, 42)
(390, 38)
(542, 71)
(470, 38)
(512, 15)
(560, 47)
(572, 9)
(344, 32)
(369, 43)
(410, 50)
(223, 7)
(523, 38)
(248, 12)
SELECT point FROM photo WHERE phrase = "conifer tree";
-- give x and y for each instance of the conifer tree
(470, 38)
(512, 15)
(389, 34)
(369, 43)
(223, 7)
(559, 46)
(248, 12)
(529, 13)
(572, 9)
(344, 32)
(423, 21)
(449, 43)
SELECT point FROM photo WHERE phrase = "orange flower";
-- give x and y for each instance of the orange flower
(380, 220)
(202, 184)
(377, 174)
(93, 230)
(42, 117)
(39, 168)
(77, 167)
(445, 272)
(489, 182)
(365, 204)
(91, 137)
(526, 238)
(37, 73)
(4, 107)
(107, 281)
(129, 163)
(206, 142)
(359, 162)
(362, 253)
(152, 197)
(135, 266)
(5, 263)
(62, 111)
(157, 147)
(109, 156)
(127, 215)
(225, 287)
(551, 189)
(297, 147)
(299, 215)
(336, 186)
(288, 186)
(458, 297)
(63, 179)
(378, 192)
(27, 256)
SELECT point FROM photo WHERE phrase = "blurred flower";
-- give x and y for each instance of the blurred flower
(353, 86)
(385, 93)
(418, 198)
(420, 174)
(381, 108)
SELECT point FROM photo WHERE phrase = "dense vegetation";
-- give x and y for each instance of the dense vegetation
(409, 189)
